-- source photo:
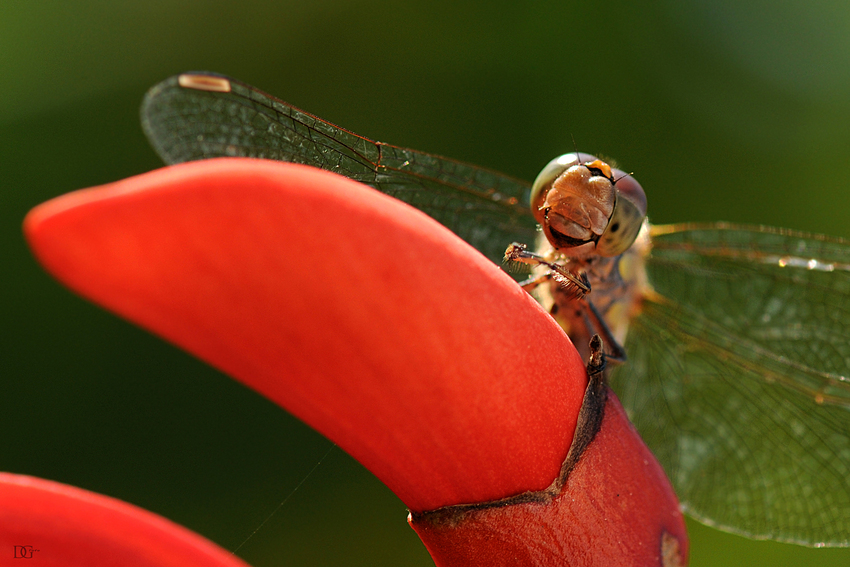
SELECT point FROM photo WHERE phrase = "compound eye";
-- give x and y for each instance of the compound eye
(627, 218)
(552, 171)
(628, 187)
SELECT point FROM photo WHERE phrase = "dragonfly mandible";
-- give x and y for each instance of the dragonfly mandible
(738, 355)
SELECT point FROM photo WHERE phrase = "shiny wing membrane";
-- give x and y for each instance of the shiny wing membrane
(737, 378)
(198, 116)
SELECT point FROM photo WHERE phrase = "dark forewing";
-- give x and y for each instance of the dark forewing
(485, 208)
(738, 378)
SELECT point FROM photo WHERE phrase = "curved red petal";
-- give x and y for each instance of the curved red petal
(57, 525)
(357, 313)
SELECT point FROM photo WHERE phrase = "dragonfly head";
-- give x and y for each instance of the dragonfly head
(587, 207)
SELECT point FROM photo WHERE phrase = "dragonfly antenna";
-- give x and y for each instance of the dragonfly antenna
(575, 147)
(630, 174)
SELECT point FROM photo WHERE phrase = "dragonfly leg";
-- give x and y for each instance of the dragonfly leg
(596, 361)
(595, 321)
(531, 284)
(577, 284)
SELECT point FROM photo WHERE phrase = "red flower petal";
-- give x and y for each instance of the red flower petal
(65, 526)
(357, 313)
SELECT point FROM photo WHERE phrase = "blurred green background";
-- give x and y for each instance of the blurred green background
(724, 111)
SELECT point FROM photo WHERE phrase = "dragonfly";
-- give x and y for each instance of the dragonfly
(736, 356)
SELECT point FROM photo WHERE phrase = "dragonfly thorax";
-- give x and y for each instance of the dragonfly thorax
(587, 208)
(619, 284)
